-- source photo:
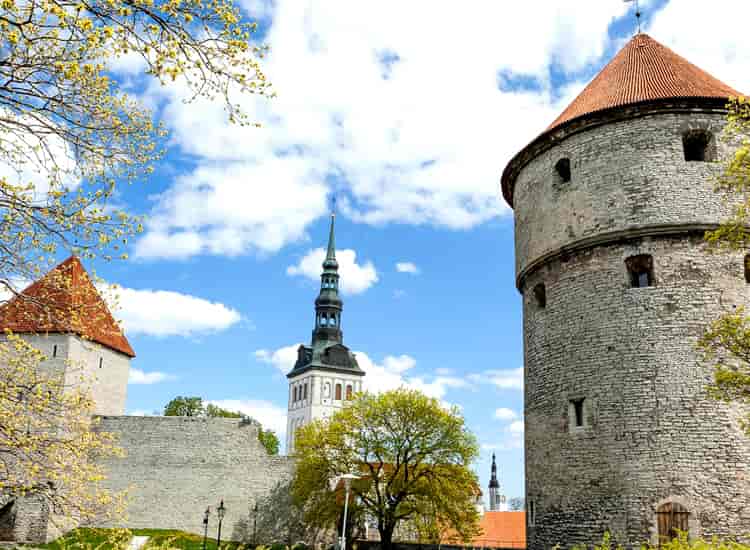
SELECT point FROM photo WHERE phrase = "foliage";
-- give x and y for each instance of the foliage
(185, 406)
(213, 411)
(681, 542)
(269, 440)
(412, 456)
(727, 340)
(194, 406)
(47, 446)
(735, 177)
(69, 135)
(118, 539)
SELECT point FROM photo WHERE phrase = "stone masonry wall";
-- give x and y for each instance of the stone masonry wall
(650, 434)
(627, 174)
(177, 466)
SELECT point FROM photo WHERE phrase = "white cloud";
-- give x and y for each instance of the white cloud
(407, 267)
(504, 413)
(723, 48)
(391, 374)
(408, 130)
(137, 376)
(511, 379)
(355, 278)
(231, 208)
(140, 412)
(283, 358)
(270, 416)
(167, 313)
(516, 427)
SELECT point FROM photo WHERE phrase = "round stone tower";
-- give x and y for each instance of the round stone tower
(611, 203)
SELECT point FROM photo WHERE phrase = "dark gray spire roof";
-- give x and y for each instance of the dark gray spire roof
(494, 483)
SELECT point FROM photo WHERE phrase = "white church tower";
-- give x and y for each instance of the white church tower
(497, 498)
(326, 374)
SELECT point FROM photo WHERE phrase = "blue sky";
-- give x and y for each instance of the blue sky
(408, 114)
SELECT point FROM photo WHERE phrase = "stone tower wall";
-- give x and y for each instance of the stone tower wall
(79, 360)
(177, 466)
(650, 434)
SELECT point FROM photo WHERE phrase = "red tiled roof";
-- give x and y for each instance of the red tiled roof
(502, 530)
(64, 300)
(643, 70)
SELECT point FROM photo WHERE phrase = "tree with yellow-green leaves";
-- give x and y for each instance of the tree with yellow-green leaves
(412, 456)
(728, 339)
(47, 447)
(69, 137)
(69, 134)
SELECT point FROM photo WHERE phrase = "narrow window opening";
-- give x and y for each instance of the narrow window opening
(563, 170)
(305, 392)
(101, 361)
(747, 268)
(348, 392)
(696, 144)
(54, 348)
(577, 409)
(338, 392)
(641, 270)
(540, 294)
(532, 513)
(294, 392)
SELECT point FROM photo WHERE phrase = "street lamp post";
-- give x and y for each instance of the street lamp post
(205, 526)
(220, 511)
(255, 523)
(347, 484)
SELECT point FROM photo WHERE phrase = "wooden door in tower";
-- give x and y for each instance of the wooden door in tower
(672, 518)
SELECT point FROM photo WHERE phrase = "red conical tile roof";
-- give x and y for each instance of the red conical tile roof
(643, 70)
(64, 301)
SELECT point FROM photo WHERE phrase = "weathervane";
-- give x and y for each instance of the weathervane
(637, 13)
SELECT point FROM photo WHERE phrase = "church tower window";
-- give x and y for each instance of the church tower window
(304, 391)
(747, 268)
(576, 411)
(54, 348)
(338, 392)
(348, 392)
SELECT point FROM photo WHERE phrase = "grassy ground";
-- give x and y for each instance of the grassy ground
(107, 539)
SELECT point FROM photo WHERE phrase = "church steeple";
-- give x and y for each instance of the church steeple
(328, 304)
(494, 483)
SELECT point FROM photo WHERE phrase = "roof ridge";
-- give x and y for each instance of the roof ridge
(65, 300)
(643, 70)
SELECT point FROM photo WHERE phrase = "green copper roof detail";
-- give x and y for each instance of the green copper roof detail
(330, 260)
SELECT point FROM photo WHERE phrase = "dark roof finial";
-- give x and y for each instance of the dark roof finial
(637, 13)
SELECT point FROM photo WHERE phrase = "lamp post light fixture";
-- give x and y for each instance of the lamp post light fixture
(347, 484)
(220, 511)
(205, 526)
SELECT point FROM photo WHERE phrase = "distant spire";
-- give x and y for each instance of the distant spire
(494, 483)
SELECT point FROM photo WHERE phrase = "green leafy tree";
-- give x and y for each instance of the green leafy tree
(213, 411)
(194, 406)
(185, 406)
(727, 341)
(269, 440)
(412, 456)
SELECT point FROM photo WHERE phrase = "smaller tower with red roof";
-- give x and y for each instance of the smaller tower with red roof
(64, 316)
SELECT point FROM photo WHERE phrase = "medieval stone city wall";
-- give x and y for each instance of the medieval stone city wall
(650, 435)
(177, 466)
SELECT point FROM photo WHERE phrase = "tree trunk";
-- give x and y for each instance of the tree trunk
(386, 537)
